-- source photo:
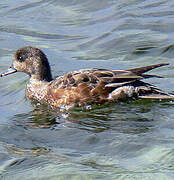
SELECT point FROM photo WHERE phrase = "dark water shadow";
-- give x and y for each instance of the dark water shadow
(136, 116)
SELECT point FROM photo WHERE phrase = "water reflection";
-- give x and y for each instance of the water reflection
(129, 140)
(127, 131)
(126, 117)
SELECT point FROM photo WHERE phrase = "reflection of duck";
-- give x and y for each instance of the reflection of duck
(84, 87)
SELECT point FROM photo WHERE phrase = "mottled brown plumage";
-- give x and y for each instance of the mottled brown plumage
(84, 87)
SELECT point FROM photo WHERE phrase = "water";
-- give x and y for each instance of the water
(131, 140)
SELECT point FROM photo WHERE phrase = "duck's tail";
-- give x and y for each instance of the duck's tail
(157, 97)
(156, 94)
(139, 71)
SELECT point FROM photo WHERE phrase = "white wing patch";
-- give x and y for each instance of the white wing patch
(122, 92)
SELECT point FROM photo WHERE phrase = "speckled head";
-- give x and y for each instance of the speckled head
(32, 61)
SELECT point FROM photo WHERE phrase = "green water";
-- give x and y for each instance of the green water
(128, 140)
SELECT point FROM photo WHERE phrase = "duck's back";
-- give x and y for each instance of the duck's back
(97, 86)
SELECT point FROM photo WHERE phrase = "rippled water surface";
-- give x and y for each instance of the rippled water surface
(130, 140)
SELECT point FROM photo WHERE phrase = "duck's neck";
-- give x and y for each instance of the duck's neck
(36, 89)
(39, 81)
(45, 72)
(41, 78)
(46, 75)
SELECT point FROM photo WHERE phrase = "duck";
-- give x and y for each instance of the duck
(84, 87)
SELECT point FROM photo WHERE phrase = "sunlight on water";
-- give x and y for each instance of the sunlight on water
(128, 140)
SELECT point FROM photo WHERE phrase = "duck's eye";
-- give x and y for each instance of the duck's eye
(20, 58)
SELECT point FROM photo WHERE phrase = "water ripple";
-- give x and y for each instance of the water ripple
(130, 140)
(13, 29)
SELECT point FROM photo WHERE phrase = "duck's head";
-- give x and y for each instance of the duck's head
(31, 61)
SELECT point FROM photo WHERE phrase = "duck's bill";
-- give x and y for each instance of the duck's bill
(11, 70)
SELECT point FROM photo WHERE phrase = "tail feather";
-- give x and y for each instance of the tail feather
(145, 76)
(141, 70)
(157, 96)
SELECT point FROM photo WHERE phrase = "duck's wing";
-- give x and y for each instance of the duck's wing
(90, 85)
(114, 78)
(135, 74)
(155, 92)
(96, 76)
(133, 78)
(110, 78)
(102, 85)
